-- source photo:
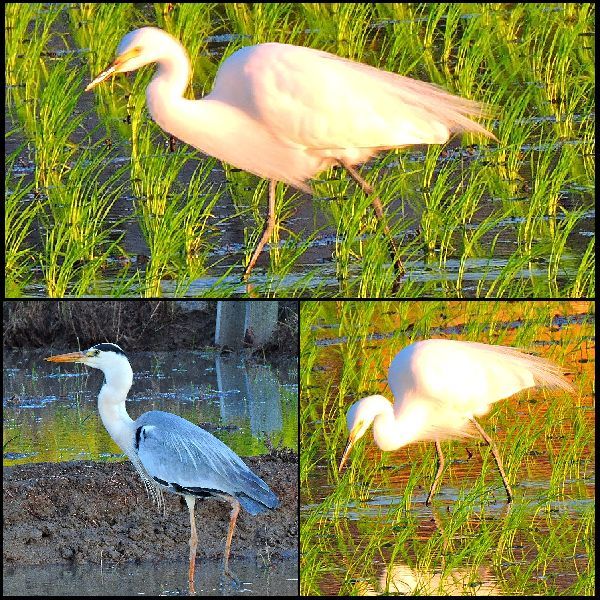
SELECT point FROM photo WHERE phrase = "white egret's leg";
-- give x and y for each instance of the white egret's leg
(235, 509)
(191, 502)
(492, 446)
(441, 463)
(267, 231)
(379, 213)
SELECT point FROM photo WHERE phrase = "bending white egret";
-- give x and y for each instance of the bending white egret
(286, 113)
(170, 453)
(439, 387)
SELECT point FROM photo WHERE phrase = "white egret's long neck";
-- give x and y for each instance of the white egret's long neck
(209, 124)
(165, 91)
(174, 69)
(111, 404)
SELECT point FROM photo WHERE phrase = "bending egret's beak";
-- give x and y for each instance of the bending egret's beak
(71, 357)
(349, 445)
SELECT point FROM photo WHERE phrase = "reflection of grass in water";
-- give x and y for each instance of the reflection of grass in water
(372, 518)
(508, 219)
(76, 432)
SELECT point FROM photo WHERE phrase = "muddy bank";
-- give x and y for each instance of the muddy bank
(82, 512)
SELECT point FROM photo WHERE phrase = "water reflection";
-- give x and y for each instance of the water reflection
(279, 578)
(249, 395)
(50, 413)
(403, 580)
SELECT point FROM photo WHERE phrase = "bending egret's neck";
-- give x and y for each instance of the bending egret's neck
(174, 69)
(111, 404)
(389, 432)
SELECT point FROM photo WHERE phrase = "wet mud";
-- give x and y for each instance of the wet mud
(87, 512)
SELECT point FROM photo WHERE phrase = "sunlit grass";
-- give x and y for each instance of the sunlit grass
(508, 218)
(365, 527)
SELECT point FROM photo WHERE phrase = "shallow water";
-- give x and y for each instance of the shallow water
(50, 411)
(160, 579)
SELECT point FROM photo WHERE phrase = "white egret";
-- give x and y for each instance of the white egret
(170, 453)
(439, 387)
(286, 113)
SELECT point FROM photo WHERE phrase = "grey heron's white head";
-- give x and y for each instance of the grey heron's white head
(109, 358)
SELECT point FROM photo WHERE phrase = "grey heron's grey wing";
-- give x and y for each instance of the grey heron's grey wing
(188, 458)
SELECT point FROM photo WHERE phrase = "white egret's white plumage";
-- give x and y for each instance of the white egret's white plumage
(169, 452)
(439, 387)
(286, 113)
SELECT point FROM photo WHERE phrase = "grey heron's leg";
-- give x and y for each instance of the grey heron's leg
(378, 208)
(235, 509)
(267, 231)
(191, 502)
(441, 463)
(494, 450)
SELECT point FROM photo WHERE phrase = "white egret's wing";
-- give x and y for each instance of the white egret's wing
(323, 102)
(446, 382)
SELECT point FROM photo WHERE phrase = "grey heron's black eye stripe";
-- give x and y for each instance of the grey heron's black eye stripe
(109, 348)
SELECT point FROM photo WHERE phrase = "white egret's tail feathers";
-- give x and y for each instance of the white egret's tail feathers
(545, 374)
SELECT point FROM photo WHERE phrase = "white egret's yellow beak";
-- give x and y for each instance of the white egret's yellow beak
(104, 75)
(349, 446)
(114, 68)
(71, 357)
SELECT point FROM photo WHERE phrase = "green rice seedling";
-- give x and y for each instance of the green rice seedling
(19, 218)
(98, 27)
(55, 124)
(276, 22)
(28, 33)
(341, 28)
(354, 539)
(564, 228)
(78, 238)
(178, 235)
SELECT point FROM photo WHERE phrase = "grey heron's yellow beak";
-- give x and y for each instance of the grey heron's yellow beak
(349, 446)
(71, 357)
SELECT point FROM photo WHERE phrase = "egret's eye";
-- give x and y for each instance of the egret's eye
(93, 352)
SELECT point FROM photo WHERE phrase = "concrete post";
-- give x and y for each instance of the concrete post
(243, 323)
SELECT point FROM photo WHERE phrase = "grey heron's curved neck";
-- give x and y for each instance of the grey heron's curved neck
(111, 403)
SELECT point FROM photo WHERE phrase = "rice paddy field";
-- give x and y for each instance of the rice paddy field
(367, 531)
(100, 201)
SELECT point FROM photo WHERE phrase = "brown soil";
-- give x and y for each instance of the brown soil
(87, 512)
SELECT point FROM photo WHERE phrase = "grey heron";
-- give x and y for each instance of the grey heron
(170, 453)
